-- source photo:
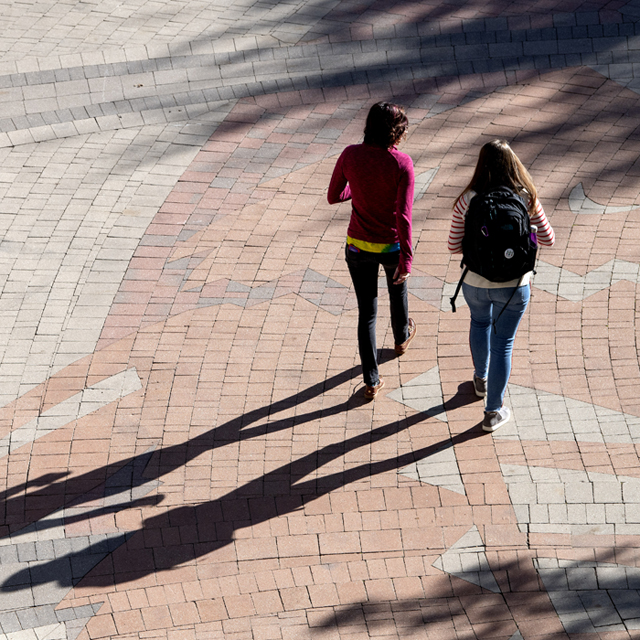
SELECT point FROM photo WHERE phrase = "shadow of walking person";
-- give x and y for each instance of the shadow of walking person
(188, 532)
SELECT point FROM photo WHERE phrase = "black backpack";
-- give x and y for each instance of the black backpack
(498, 242)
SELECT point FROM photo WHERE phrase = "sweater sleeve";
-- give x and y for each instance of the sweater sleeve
(456, 231)
(404, 207)
(339, 190)
(546, 235)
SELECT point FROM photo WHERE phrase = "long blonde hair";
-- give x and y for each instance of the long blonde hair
(499, 166)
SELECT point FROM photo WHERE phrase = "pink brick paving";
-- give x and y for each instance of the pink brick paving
(281, 512)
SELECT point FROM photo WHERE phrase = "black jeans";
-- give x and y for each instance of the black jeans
(363, 267)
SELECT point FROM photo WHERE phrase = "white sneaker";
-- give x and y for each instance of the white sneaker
(495, 419)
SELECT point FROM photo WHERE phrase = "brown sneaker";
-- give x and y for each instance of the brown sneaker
(402, 348)
(371, 392)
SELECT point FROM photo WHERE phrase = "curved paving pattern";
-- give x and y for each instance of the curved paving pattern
(185, 449)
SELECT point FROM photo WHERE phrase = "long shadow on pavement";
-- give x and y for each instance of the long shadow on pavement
(212, 525)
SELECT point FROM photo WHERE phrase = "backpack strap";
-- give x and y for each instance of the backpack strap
(513, 292)
(455, 295)
(508, 301)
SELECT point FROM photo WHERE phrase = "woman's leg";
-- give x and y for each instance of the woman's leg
(398, 302)
(364, 275)
(479, 332)
(502, 340)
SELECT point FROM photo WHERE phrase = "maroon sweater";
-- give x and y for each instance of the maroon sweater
(379, 183)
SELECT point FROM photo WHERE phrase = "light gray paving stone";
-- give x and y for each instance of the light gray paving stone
(74, 408)
(630, 491)
(8, 555)
(26, 552)
(28, 618)
(579, 492)
(608, 492)
(424, 393)
(565, 419)
(550, 493)
(80, 205)
(9, 622)
(539, 514)
(546, 498)
(632, 513)
(614, 513)
(581, 204)
(558, 513)
(439, 469)
(45, 550)
(523, 494)
(589, 593)
(581, 578)
(467, 560)
(545, 475)
(577, 514)
(522, 515)
(611, 578)
(596, 515)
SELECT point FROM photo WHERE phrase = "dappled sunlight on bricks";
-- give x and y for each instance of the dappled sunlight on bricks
(282, 512)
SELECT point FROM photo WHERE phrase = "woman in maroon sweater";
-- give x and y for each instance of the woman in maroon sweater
(378, 179)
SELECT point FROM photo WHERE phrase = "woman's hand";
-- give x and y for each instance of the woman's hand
(399, 278)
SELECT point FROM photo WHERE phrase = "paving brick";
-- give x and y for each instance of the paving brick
(190, 269)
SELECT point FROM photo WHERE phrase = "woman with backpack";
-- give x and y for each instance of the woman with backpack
(497, 304)
(379, 180)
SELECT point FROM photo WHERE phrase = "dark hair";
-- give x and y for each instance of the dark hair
(499, 166)
(386, 124)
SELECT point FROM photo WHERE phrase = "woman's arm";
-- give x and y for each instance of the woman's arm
(456, 231)
(339, 190)
(404, 210)
(546, 235)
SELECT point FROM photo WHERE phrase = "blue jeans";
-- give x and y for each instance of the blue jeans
(363, 267)
(491, 349)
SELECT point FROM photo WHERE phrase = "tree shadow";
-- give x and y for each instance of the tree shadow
(379, 618)
(421, 58)
(587, 597)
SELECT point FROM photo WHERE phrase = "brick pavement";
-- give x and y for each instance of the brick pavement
(186, 452)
